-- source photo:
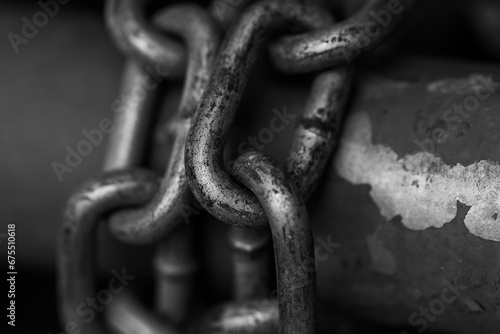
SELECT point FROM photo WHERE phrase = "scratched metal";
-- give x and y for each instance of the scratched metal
(340, 43)
(292, 239)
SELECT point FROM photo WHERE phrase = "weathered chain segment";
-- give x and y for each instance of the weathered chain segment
(255, 195)
(208, 178)
(148, 224)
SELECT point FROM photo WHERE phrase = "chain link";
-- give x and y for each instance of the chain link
(135, 36)
(292, 239)
(336, 44)
(208, 178)
(127, 142)
(77, 255)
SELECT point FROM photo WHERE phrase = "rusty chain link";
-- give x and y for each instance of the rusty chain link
(336, 44)
(141, 209)
(202, 42)
(147, 224)
(292, 238)
(208, 178)
(134, 34)
(77, 261)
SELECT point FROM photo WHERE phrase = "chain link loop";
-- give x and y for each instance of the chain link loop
(148, 224)
(292, 239)
(77, 260)
(136, 37)
(337, 44)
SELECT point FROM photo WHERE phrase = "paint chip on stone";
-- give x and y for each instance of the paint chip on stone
(420, 187)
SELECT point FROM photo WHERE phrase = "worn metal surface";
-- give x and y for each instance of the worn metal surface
(292, 239)
(314, 140)
(343, 42)
(77, 254)
(317, 130)
(174, 261)
(137, 37)
(132, 117)
(164, 212)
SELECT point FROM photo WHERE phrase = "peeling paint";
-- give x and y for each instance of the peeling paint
(420, 187)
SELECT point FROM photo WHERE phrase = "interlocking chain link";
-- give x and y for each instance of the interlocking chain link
(255, 193)
(77, 258)
(137, 37)
(148, 224)
(333, 45)
(292, 238)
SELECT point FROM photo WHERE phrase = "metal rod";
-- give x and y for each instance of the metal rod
(251, 262)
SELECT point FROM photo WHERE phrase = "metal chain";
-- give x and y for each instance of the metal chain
(202, 43)
(142, 210)
(77, 261)
(292, 238)
(336, 44)
(134, 34)
(156, 220)
(208, 178)
(147, 224)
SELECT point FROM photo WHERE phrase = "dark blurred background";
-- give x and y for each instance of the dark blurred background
(64, 80)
